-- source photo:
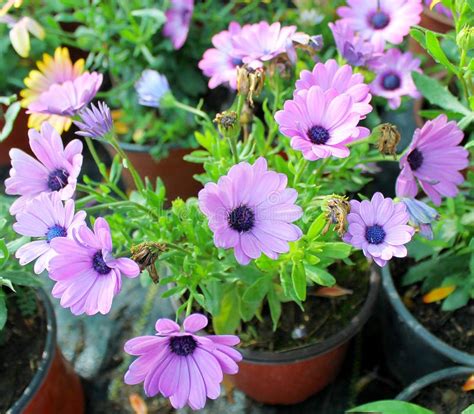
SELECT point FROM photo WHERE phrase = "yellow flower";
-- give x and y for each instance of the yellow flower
(51, 70)
(8, 5)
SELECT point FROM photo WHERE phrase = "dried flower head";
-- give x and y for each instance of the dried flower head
(228, 123)
(250, 81)
(389, 138)
(145, 255)
(337, 208)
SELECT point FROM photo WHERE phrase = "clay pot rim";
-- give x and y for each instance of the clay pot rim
(334, 341)
(432, 341)
(410, 392)
(438, 17)
(47, 357)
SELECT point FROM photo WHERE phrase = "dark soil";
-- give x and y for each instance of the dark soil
(21, 346)
(445, 397)
(322, 316)
(455, 328)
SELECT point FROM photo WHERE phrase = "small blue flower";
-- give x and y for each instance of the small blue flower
(96, 121)
(421, 216)
(151, 87)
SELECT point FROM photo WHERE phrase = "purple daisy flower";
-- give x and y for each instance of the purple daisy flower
(352, 47)
(421, 216)
(262, 41)
(96, 121)
(220, 63)
(46, 218)
(181, 365)
(151, 88)
(393, 77)
(330, 75)
(87, 275)
(379, 227)
(320, 124)
(381, 21)
(440, 8)
(68, 98)
(178, 19)
(251, 210)
(56, 168)
(434, 158)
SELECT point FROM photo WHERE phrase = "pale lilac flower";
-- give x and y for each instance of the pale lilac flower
(20, 31)
(421, 216)
(86, 273)
(151, 88)
(178, 19)
(440, 8)
(251, 210)
(262, 41)
(330, 75)
(68, 98)
(220, 63)
(352, 47)
(320, 124)
(45, 218)
(393, 77)
(310, 17)
(96, 121)
(434, 158)
(379, 227)
(55, 169)
(381, 21)
(181, 365)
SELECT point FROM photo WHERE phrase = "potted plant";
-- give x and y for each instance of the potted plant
(36, 377)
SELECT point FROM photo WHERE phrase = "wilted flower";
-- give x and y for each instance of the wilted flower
(251, 210)
(393, 77)
(434, 158)
(145, 255)
(337, 208)
(151, 88)
(96, 121)
(181, 365)
(55, 170)
(250, 82)
(20, 32)
(45, 218)
(86, 273)
(382, 21)
(320, 124)
(228, 123)
(178, 19)
(389, 137)
(379, 227)
(421, 216)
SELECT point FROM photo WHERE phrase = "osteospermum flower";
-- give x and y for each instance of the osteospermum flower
(381, 21)
(353, 47)
(262, 41)
(393, 77)
(220, 63)
(68, 98)
(421, 216)
(55, 170)
(96, 121)
(439, 8)
(180, 364)
(379, 227)
(251, 210)
(86, 273)
(320, 124)
(51, 71)
(330, 75)
(178, 19)
(434, 158)
(45, 218)
(151, 88)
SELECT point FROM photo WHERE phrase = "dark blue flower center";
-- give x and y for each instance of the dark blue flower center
(318, 135)
(241, 219)
(99, 265)
(55, 231)
(415, 159)
(391, 81)
(57, 179)
(379, 20)
(237, 61)
(183, 345)
(375, 234)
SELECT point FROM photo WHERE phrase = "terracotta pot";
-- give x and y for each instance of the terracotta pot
(292, 376)
(55, 388)
(176, 173)
(17, 139)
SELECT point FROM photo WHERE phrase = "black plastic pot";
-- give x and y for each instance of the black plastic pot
(410, 392)
(411, 351)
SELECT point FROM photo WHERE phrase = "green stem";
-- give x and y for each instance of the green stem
(190, 304)
(299, 172)
(233, 148)
(192, 110)
(320, 171)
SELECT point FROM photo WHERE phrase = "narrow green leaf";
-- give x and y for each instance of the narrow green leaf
(10, 117)
(390, 407)
(275, 307)
(3, 310)
(434, 48)
(317, 227)
(298, 276)
(21, 278)
(320, 276)
(227, 319)
(336, 250)
(456, 300)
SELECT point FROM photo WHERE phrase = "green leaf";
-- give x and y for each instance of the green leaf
(275, 307)
(390, 407)
(298, 277)
(336, 250)
(320, 276)
(155, 14)
(316, 227)
(257, 291)
(10, 117)
(3, 310)
(434, 48)
(21, 278)
(6, 282)
(419, 36)
(227, 320)
(437, 94)
(470, 409)
(456, 300)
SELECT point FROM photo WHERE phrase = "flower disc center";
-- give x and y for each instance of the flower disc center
(99, 264)
(55, 231)
(379, 20)
(415, 159)
(57, 179)
(183, 345)
(391, 81)
(375, 234)
(241, 219)
(318, 135)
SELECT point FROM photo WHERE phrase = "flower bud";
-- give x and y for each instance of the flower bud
(337, 208)
(421, 216)
(465, 38)
(388, 139)
(228, 124)
(145, 255)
